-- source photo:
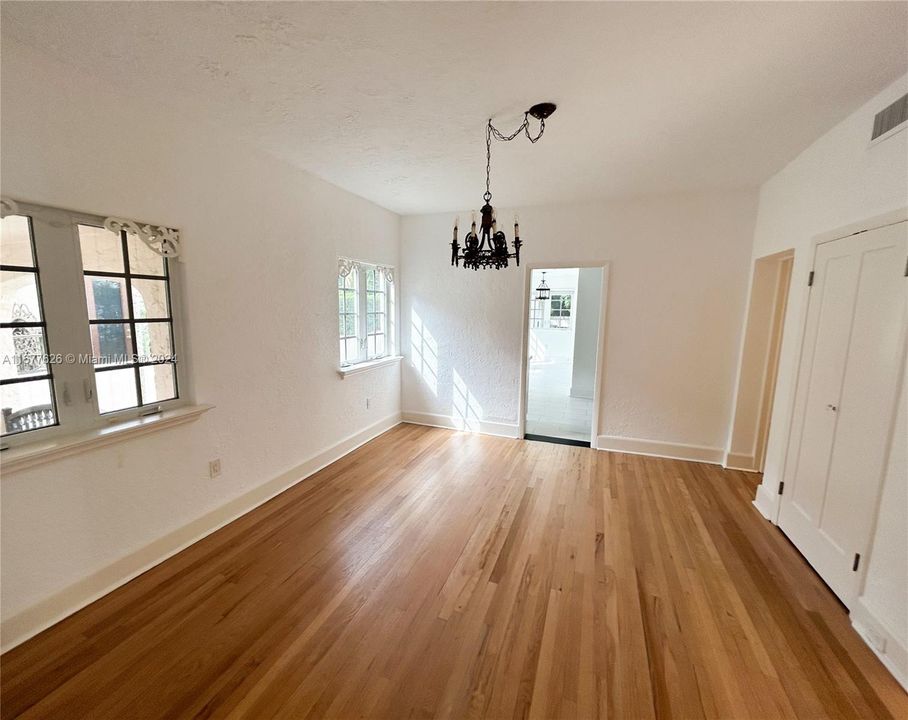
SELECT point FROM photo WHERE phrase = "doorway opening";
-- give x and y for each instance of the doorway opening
(562, 354)
(760, 362)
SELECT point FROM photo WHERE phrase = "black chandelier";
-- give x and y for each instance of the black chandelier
(543, 292)
(490, 248)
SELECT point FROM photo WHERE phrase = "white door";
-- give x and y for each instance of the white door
(846, 393)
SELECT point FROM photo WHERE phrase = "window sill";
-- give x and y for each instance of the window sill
(25, 456)
(368, 365)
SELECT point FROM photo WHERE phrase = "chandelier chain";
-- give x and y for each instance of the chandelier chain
(492, 131)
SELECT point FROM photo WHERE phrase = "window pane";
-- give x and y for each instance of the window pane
(19, 297)
(340, 301)
(116, 389)
(111, 344)
(370, 323)
(142, 259)
(26, 406)
(370, 302)
(352, 349)
(106, 298)
(149, 298)
(349, 325)
(157, 383)
(370, 345)
(15, 241)
(101, 249)
(370, 280)
(379, 322)
(23, 352)
(153, 341)
(379, 344)
(343, 351)
(350, 299)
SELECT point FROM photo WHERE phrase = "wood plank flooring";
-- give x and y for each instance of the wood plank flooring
(440, 574)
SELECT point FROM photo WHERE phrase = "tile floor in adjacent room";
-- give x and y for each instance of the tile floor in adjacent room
(550, 408)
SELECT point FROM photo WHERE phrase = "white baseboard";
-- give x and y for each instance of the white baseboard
(889, 649)
(659, 448)
(765, 502)
(51, 610)
(484, 427)
(737, 461)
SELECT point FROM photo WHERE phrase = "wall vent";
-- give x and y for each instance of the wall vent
(889, 118)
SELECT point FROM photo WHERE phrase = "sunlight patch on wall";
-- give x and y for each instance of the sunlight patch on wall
(423, 353)
(467, 411)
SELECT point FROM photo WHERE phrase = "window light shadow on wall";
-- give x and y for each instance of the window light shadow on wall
(467, 411)
(424, 353)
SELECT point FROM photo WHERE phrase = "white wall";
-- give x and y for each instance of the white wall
(759, 354)
(261, 243)
(838, 181)
(586, 332)
(678, 279)
(881, 610)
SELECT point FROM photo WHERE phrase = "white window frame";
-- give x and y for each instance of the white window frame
(360, 268)
(570, 317)
(58, 254)
(537, 314)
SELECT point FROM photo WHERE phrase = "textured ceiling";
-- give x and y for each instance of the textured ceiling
(389, 100)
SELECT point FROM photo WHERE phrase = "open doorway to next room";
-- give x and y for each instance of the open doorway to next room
(562, 353)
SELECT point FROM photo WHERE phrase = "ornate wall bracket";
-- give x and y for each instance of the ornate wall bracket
(345, 266)
(164, 241)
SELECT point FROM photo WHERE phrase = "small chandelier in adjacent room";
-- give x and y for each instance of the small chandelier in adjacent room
(542, 290)
(489, 249)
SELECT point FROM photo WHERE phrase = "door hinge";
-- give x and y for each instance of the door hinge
(810, 279)
(857, 561)
(781, 487)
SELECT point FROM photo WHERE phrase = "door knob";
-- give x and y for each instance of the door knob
(832, 407)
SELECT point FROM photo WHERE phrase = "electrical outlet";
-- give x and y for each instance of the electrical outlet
(214, 467)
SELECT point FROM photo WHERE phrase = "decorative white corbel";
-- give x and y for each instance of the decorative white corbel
(345, 266)
(164, 241)
(8, 206)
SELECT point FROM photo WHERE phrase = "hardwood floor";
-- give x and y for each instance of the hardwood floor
(437, 574)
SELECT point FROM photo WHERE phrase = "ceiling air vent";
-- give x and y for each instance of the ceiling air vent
(890, 118)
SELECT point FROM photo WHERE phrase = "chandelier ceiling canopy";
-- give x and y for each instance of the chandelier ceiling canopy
(489, 249)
